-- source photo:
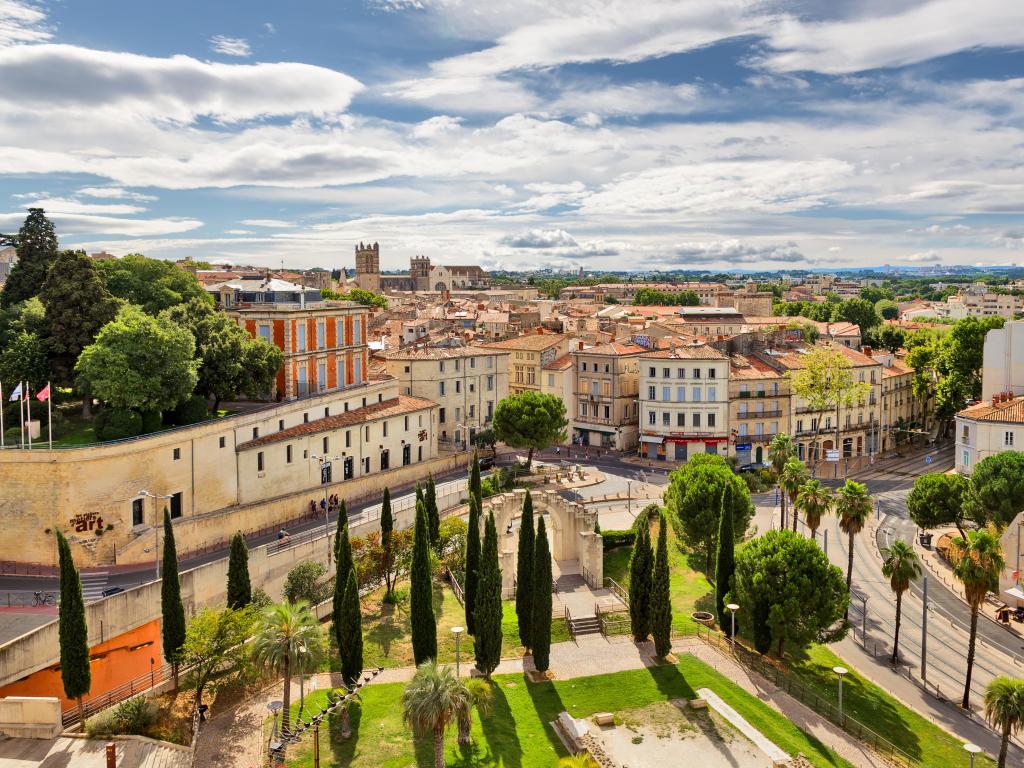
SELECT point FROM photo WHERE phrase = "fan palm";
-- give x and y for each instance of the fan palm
(815, 501)
(1004, 709)
(901, 566)
(853, 507)
(432, 700)
(979, 561)
(579, 760)
(481, 694)
(794, 475)
(780, 450)
(284, 630)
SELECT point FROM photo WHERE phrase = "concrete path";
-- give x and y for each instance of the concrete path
(740, 723)
(67, 752)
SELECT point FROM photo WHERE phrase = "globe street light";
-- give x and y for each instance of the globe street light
(732, 614)
(972, 750)
(840, 672)
(457, 631)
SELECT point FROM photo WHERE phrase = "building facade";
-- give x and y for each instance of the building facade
(528, 354)
(607, 380)
(759, 407)
(987, 428)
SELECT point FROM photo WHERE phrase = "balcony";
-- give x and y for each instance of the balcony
(758, 414)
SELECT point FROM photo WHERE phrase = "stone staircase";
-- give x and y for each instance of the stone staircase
(584, 625)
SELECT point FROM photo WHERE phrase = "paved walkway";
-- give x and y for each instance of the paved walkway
(67, 752)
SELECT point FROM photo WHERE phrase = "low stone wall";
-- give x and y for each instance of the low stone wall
(30, 717)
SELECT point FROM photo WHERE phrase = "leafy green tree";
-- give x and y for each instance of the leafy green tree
(284, 630)
(348, 628)
(654, 297)
(524, 572)
(24, 359)
(997, 489)
(762, 630)
(641, 563)
(433, 515)
(887, 309)
(487, 645)
(815, 501)
(661, 599)
(472, 563)
(481, 694)
(342, 547)
(216, 648)
(434, 699)
(140, 362)
(693, 497)
(358, 295)
(153, 284)
(890, 337)
(860, 312)
(725, 563)
(530, 420)
(901, 566)
(541, 624)
(485, 438)
(938, 499)
(36, 244)
(780, 450)
(788, 579)
(853, 505)
(421, 595)
(239, 585)
(978, 562)
(387, 528)
(171, 608)
(72, 630)
(1004, 709)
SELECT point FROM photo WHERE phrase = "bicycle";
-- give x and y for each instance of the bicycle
(44, 598)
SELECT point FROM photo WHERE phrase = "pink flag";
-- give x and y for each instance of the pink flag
(43, 394)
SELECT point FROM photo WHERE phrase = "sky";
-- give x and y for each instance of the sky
(602, 134)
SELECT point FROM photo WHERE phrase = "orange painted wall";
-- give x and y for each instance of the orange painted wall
(279, 334)
(250, 326)
(332, 333)
(332, 370)
(113, 664)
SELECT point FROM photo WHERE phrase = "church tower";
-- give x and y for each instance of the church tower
(368, 267)
(419, 271)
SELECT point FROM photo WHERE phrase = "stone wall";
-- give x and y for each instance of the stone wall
(30, 717)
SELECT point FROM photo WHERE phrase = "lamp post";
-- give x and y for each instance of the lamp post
(457, 631)
(629, 497)
(732, 617)
(302, 678)
(972, 750)
(864, 620)
(156, 527)
(840, 673)
(325, 461)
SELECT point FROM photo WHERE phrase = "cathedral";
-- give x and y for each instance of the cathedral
(422, 276)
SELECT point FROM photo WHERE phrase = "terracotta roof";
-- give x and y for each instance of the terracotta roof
(560, 363)
(688, 352)
(396, 406)
(1007, 412)
(440, 353)
(743, 367)
(613, 348)
(534, 341)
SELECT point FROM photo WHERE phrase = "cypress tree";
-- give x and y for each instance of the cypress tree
(72, 630)
(387, 527)
(472, 563)
(661, 601)
(640, 576)
(170, 602)
(239, 586)
(341, 529)
(433, 517)
(488, 603)
(475, 485)
(348, 627)
(524, 573)
(725, 563)
(421, 594)
(541, 624)
(343, 568)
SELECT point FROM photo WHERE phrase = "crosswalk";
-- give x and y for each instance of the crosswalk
(93, 584)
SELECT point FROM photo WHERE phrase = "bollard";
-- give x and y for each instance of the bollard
(111, 755)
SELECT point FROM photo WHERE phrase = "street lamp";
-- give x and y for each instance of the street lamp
(732, 633)
(302, 677)
(840, 672)
(325, 461)
(972, 750)
(156, 527)
(457, 631)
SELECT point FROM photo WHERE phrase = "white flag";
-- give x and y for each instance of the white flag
(16, 393)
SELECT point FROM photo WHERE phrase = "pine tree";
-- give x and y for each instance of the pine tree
(541, 623)
(239, 585)
(72, 630)
(475, 486)
(640, 577)
(487, 645)
(524, 573)
(725, 564)
(762, 630)
(170, 602)
(387, 527)
(433, 516)
(661, 601)
(36, 244)
(348, 628)
(421, 594)
(472, 563)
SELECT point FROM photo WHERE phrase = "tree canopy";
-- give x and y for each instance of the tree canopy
(997, 489)
(153, 284)
(36, 244)
(654, 297)
(530, 420)
(938, 499)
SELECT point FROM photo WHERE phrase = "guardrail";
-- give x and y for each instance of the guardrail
(617, 590)
(141, 684)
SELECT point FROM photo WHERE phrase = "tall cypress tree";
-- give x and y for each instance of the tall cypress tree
(239, 585)
(348, 628)
(170, 602)
(343, 568)
(524, 573)
(72, 630)
(640, 577)
(472, 563)
(661, 601)
(487, 645)
(36, 244)
(475, 485)
(341, 530)
(433, 516)
(725, 564)
(541, 624)
(421, 594)
(387, 527)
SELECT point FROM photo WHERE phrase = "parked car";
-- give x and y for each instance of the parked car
(486, 462)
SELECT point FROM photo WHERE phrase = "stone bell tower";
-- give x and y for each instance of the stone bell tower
(368, 267)
(419, 271)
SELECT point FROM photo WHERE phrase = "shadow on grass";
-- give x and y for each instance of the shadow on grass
(499, 727)
(548, 705)
(384, 634)
(342, 749)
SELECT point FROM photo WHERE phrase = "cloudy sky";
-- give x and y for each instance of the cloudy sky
(609, 134)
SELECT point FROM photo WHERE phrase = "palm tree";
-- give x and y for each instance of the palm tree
(579, 760)
(284, 630)
(979, 561)
(794, 475)
(433, 699)
(901, 566)
(815, 501)
(481, 694)
(1004, 709)
(780, 450)
(853, 507)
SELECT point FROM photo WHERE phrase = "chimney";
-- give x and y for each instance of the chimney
(995, 400)
(867, 351)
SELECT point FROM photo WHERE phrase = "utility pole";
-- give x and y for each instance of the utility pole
(924, 631)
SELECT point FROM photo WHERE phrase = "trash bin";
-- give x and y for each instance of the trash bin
(925, 539)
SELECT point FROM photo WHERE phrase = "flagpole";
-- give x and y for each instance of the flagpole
(21, 412)
(49, 415)
(2, 404)
(28, 411)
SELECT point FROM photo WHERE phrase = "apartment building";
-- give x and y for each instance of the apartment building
(467, 383)
(558, 379)
(528, 354)
(759, 406)
(989, 427)
(903, 415)
(973, 303)
(683, 402)
(709, 322)
(606, 378)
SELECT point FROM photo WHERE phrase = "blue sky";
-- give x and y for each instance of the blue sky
(607, 134)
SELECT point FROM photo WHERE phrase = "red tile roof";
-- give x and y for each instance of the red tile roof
(1008, 412)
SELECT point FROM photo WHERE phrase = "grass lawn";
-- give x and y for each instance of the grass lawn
(921, 739)
(515, 732)
(689, 589)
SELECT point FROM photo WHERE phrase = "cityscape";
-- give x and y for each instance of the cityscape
(520, 385)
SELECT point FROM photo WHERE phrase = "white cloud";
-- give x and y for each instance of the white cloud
(930, 256)
(59, 205)
(270, 28)
(22, 22)
(733, 251)
(238, 232)
(116, 193)
(539, 238)
(77, 223)
(632, 99)
(268, 223)
(230, 46)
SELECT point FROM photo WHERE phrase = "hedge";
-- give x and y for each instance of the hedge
(614, 539)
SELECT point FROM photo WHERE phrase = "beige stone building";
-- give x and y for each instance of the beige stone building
(759, 407)
(558, 379)
(708, 322)
(607, 381)
(466, 383)
(528, 354)
(903, 415)
(987, 428)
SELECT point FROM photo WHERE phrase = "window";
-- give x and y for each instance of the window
(357, 338)
(666, 394)
(348, 438)
(680, 373)
(583, 366)
(652, 372)
(607, 412)
(384, 426)
(472, 362)
(696, 419)
(799, 425)
(176, 504)
(458, 385)
(288, 454)
(440, 387)
(305, 418)
(1008, 439)
(300, 336)
(405, 423)
(259, 461)
(177, 452)
(223, 442)
(680, 419)
(419, 453)
(490, 381)
(255, 432)
(265, 333)
(321, 334)
(652, 418)
(666, 419)
(681, 394)
(385, 459)
(490, 364)
(775, 427)
(440, 415)
(138, 508)
(712, 394)
(652, 393)
(280, 425)
(583, 409)
(366, 434)
(551, 379)
(711, 419)
(696, 394)
(665, 373)
(712, 373)
(441, 365)
(326, 445)
(696, 373)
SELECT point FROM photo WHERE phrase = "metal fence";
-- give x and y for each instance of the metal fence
(141, 684)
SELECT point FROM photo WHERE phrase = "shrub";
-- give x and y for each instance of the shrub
(614, 539)
(136, 715)
(190, 411)
(117, 424)
(101, 725)
(152, 421)
(305, 582)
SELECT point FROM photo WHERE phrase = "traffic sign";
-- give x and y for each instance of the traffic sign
(831, 455)
(927, 459)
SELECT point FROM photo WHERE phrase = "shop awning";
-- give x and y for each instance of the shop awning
(1015, 592)
(651, 439)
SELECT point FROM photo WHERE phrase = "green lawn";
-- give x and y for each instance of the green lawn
(515, 732)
